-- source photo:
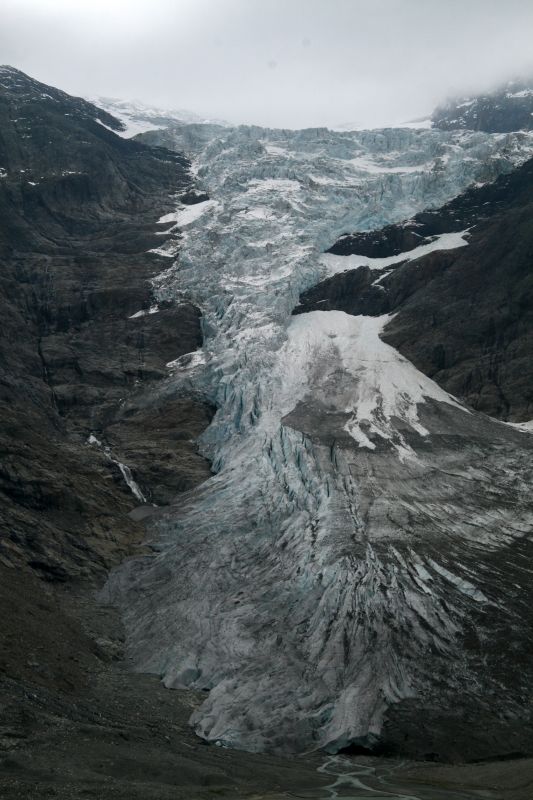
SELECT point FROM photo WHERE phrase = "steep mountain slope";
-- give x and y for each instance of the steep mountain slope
(462, 314)
(80, 361)
(359, 540)
(79, 209)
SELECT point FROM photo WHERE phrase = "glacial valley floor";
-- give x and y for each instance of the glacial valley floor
(76, 722)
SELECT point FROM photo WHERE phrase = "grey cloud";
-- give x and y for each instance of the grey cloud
(293, 63)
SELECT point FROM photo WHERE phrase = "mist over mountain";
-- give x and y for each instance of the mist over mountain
(306, 63)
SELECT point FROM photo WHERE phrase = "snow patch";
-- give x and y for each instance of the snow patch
(382, 385)
(144, 311)
(522, 93)
(188, 361)
(527, 427)
(190, 214)
(185, 216)
(167, 250)
(445, 241)
(132, 128)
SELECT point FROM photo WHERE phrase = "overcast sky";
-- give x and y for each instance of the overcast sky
(284, 63)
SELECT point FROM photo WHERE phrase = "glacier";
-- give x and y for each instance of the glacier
(358, 524)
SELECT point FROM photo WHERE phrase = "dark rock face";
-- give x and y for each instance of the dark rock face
(79, 208)
(470, 327)
(351, 291)
(465, 316)
(506, 109)
(193, 196)
(389, 241)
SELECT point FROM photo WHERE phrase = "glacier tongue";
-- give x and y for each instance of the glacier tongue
(334, 557)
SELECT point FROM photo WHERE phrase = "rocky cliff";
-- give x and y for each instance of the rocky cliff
(80, 350)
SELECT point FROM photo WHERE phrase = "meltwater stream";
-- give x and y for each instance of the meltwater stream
(366, 781)
(302, 586)
(351, 782)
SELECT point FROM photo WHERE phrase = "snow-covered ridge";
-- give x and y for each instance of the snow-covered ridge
(140, 118)
(318, 540)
